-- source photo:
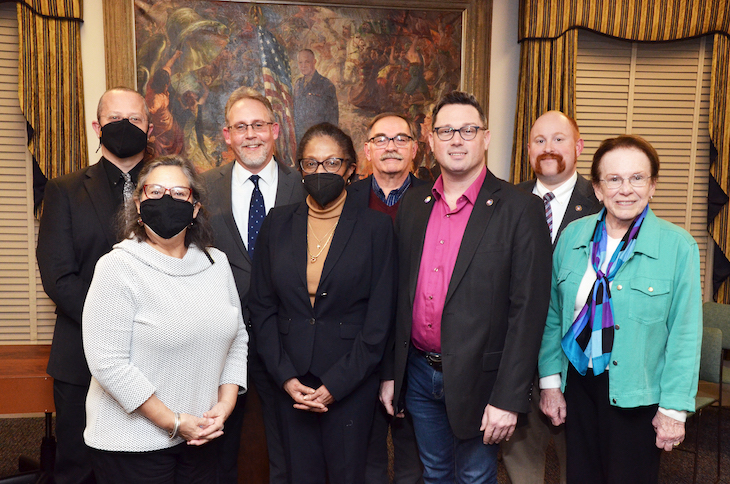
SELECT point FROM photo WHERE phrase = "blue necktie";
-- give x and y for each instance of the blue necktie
(256, 214)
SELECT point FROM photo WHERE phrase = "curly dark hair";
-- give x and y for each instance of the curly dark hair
(199, 232)
(342, 139)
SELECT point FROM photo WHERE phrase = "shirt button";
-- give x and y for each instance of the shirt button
(324, 294)
(429, 325)
(441, 242)
(436, 269)
(430, 297)
(405, 344)
(311, 321)
(617, 327)
(651, 289)
(447, 215)
(614, 401)
(619, 287)
(615, 363)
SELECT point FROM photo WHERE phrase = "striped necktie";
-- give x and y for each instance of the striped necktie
(549, 196)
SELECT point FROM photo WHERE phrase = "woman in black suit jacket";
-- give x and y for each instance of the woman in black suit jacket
(322, 306)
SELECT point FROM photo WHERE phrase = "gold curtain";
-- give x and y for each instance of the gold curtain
(548, 28)
(50, 85)
(547, 81)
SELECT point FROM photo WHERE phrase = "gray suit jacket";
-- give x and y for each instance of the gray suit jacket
(227, 238)
(582, 202)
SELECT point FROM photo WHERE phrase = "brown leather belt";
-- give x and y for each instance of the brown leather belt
(433, 359)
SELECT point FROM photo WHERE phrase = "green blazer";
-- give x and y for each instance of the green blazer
(657, 302)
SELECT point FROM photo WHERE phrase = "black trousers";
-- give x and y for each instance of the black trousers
(407, 465)
(182, 464)
(72, 455)
(607, 444)
(331, 446)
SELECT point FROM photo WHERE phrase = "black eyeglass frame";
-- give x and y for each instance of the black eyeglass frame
(449, 132)
(335, 170)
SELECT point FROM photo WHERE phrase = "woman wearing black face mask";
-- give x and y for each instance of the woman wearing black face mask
(322, 304)
(164, 338)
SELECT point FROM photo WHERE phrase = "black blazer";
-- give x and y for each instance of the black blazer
(495, 306)
(289, 190)
(360, 190)
(342, 338)
(582, 202)
(76, 229)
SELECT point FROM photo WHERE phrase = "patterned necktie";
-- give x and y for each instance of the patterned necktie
(549, 196)
(256, 214)
(128, 189)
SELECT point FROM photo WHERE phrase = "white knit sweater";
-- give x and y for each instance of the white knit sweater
(155, 324)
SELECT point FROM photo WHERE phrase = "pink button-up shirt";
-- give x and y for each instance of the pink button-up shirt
(443, 238)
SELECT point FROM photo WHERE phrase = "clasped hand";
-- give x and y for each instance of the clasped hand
(199, 431)
(307, 398)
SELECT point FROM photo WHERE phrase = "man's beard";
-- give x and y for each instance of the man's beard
(556, 156)
(250, 160)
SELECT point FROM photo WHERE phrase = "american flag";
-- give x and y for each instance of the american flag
(278, 90)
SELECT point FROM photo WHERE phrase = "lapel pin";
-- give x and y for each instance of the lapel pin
(490, 202)
(427, 199)
(579, 208)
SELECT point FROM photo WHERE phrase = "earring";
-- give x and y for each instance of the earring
(139, 222)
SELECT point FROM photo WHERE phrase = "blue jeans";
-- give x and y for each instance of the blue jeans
(446, 458)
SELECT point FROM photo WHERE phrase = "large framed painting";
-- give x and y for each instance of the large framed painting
(341, 62)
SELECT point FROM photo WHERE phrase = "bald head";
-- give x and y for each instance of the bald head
(554, 147)
(127, 93)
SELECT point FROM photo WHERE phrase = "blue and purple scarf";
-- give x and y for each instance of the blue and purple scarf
(590, 337)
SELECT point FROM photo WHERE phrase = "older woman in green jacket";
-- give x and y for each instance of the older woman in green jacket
(620, 353)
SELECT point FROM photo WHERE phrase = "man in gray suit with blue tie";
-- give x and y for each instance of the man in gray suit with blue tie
(240, 194)
(554, 147)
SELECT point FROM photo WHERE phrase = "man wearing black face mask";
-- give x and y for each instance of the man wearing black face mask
(76, 229)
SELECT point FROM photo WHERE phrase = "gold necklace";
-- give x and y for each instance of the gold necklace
(313, 258)
(326, 235)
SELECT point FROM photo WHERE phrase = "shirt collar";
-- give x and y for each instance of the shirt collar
(470, 194)
(395, 195)
(241, 175)
(114, 174)
(562, 193)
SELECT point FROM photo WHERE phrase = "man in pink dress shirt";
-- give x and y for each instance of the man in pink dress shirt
(474, 285)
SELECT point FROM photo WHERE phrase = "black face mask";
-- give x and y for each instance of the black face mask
(324, 187)
(123, 139)
(166, 216)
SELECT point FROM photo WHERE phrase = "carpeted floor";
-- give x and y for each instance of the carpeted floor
(23, 436)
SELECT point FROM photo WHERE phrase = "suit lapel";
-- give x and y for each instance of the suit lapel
(481, 214)
(285, 186)
(580, 204)
(299, 250)
(100, 194)
(223, 190)
(342, 234)
(420, 217)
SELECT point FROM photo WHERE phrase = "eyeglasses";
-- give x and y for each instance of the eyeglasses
(636, 180)
(400, 141)
(257, 126)
(467, 133)
(331, 165)
(158, 191)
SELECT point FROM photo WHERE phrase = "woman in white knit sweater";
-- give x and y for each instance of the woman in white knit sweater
(164, 338)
